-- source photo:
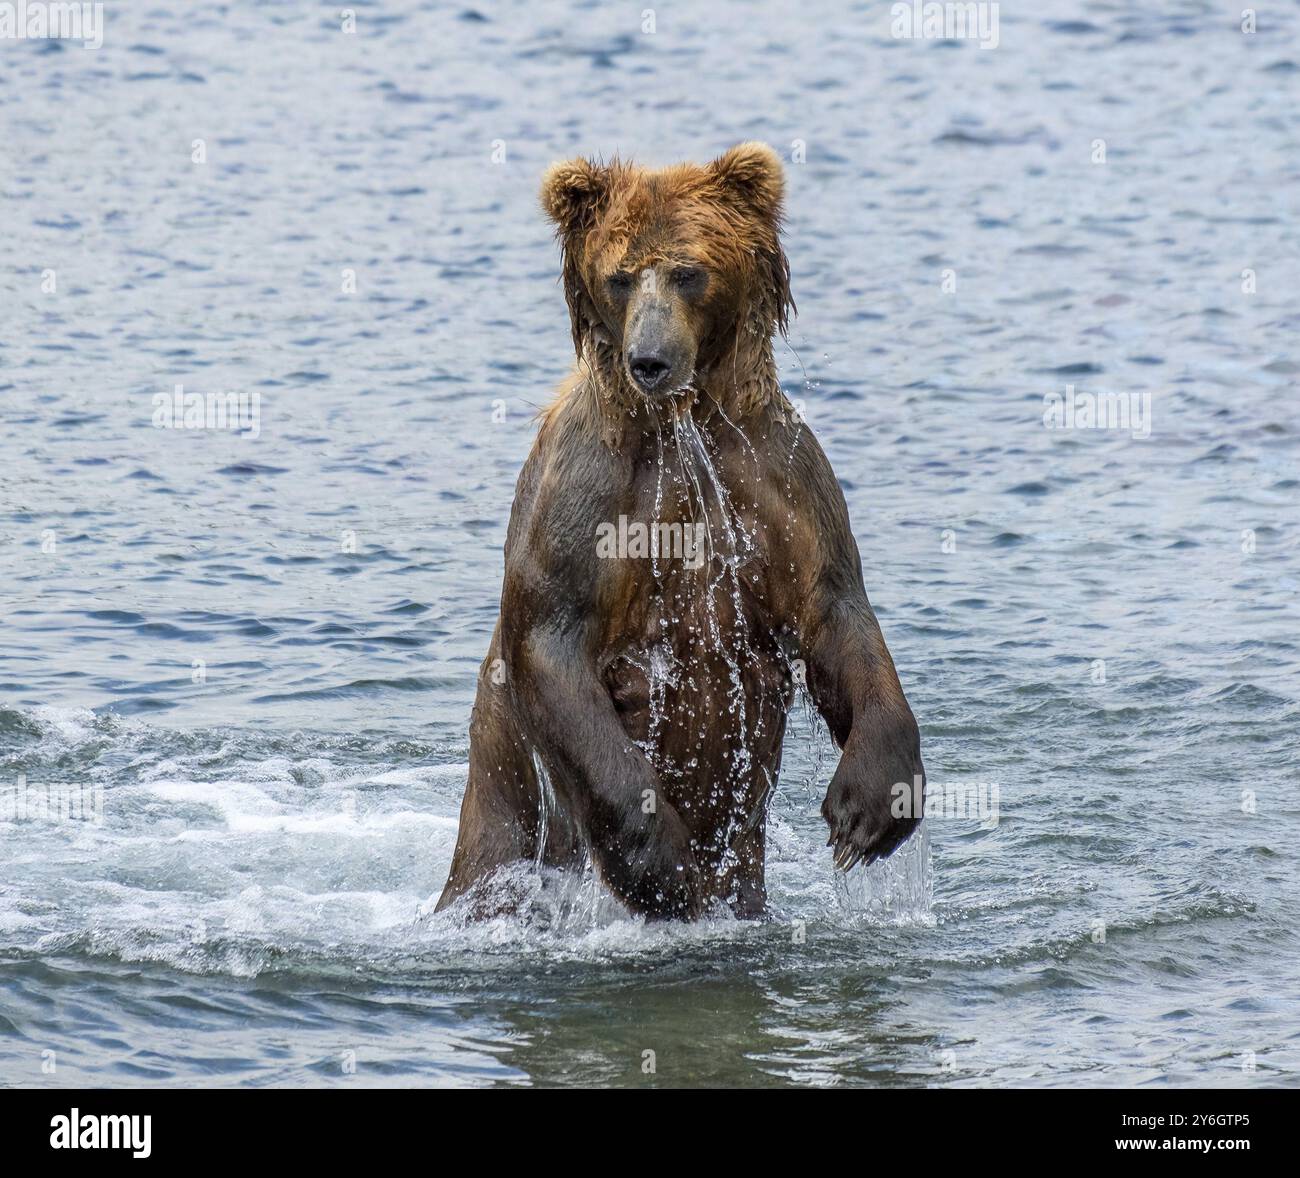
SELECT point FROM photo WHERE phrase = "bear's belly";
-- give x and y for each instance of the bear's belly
(706, 701)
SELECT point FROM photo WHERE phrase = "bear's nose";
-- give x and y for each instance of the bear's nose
(648, 371)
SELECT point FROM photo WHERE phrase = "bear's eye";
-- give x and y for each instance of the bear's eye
(688, 278)
(620, 282)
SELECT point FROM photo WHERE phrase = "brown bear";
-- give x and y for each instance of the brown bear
(678, 559)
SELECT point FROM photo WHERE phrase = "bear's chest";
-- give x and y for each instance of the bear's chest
(697, 652)
(688, 560)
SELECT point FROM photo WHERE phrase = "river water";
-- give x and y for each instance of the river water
(254, 653)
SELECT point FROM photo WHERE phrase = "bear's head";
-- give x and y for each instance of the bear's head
(675, 278)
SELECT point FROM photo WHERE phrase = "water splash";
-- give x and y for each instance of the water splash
(897, 890)
(545, 807)
(707, 499)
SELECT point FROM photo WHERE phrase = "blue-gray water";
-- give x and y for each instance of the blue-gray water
(255, 907)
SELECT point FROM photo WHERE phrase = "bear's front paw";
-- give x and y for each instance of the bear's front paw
(875, 800)
(657, 875)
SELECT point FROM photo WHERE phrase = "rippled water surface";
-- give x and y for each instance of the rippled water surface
(1103, 626)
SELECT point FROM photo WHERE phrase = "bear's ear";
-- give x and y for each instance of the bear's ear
(752, 174)
(571, 191)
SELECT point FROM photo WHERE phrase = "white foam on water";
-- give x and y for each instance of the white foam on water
(224, 860)
(68, 726)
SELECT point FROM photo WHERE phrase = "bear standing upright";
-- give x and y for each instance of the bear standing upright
(679, 555)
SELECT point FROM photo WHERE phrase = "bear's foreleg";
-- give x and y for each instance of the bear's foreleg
(638, 841)
(876, 796)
